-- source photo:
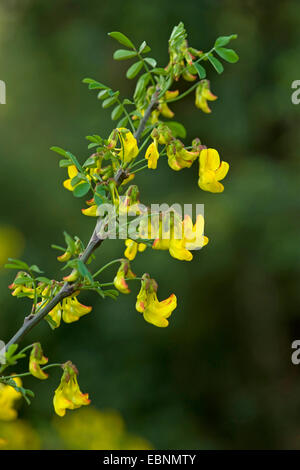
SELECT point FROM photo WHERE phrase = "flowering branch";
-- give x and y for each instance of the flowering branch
(105, 174)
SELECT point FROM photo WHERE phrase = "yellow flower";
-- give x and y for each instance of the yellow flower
(22, 289)
(72, 172)
(211, 171)
(203, 94)
(130, 202)
(8, 396)
(90, 211)
(163, 107)
(179, 157)
(129, 147)
(181, 238)
(147, 303)
(193, 235)
(68, 395)
(72, 310)
(152, 155)
(132, 248)
(36, 359)
(69, 310)
(124, 272)
(56, 314)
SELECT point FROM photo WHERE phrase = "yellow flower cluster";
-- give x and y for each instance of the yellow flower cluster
(153, 310)
(68, 394)
(37, 359)
(8, 397)
(70, 310)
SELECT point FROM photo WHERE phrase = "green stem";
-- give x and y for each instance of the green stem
(127, 115)
(146, 68)
(27, 374)
(183, 94)
(106, 266)
(109, 284)
(140, 169)
(26, 349)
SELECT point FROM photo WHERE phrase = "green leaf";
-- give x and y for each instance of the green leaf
(110, 101)
(58, 150)
(227, 54)
(200, 70)
(83, 270)
(141, 85)
(93, 84)
(57, 247)
(178, 130)
(17, 262)
(122, 54)
(151, 61)
(64, 163)
(103, 94)
(82, 189)
(112, 293)
(160, 71)
(117, 112)
(123, 122)
(77, 179)
(90, 162)
(223, 40)
(74, 161)
(216, 63)
(36, 269)
(69, 242)
(44, 279)
(134, 69)
(122, 39)
(144, 48)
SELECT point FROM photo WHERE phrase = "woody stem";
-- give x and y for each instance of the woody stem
(95, 241)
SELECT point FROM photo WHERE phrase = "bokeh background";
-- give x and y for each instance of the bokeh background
(220, 376)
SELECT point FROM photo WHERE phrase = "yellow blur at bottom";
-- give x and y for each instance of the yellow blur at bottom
(18, 435)
(11, 243)
(91, 429)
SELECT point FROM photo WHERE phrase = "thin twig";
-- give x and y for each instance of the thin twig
(146, 116)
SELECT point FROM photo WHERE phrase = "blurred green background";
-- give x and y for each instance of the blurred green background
(220, 376)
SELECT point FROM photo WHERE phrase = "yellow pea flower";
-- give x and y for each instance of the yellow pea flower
(193, 235)
(72, 310)
(124, 272)
(72, 172)
(152, 155)
(163, 107)
(130, 202)
(36, 359)
(182, 238)
(129, 147)
(211, 171)
(8, 396)
(90, 211)
(68, 395)
(179, 157)
(147, 303)
(22, 289)
(56, 314)
(203, 94)
(132, 248)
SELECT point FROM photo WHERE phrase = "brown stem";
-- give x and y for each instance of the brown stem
(94, 242)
